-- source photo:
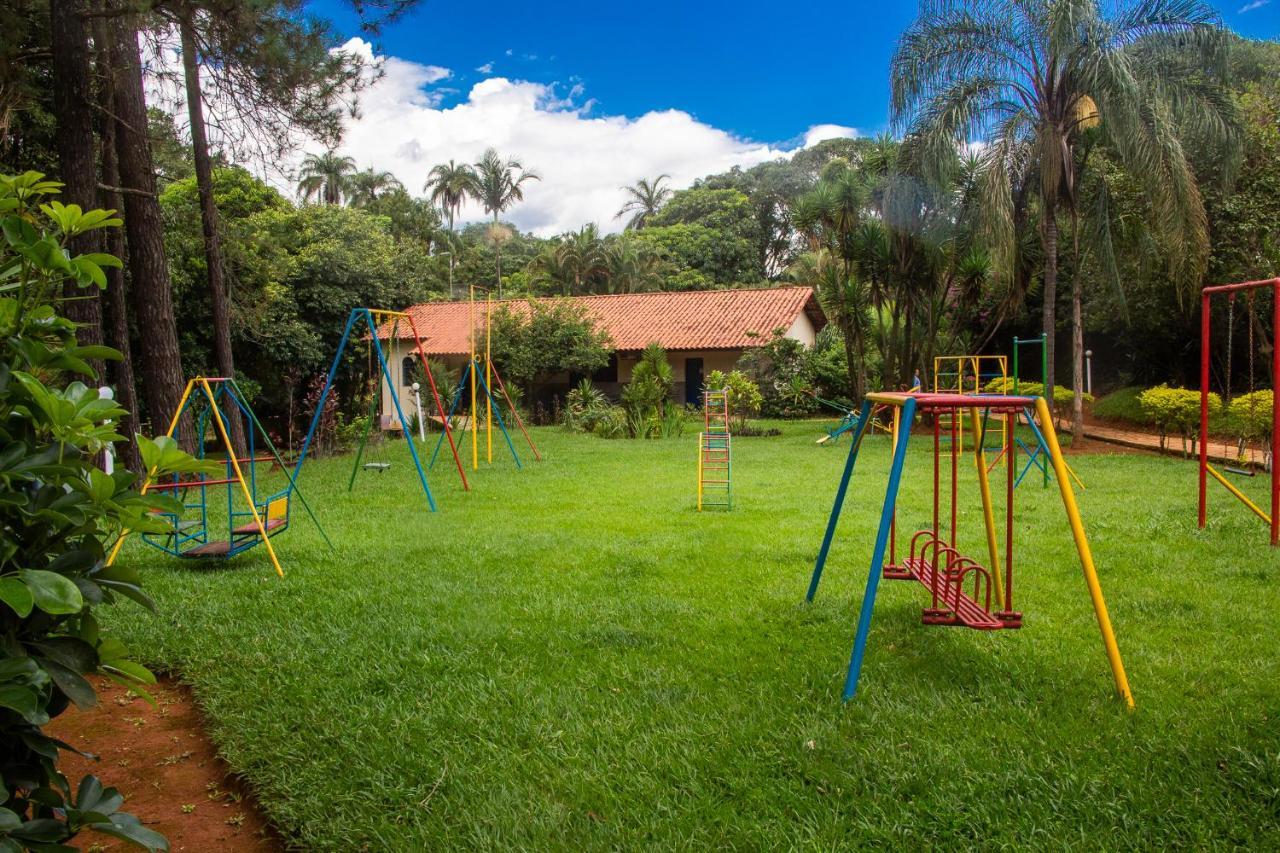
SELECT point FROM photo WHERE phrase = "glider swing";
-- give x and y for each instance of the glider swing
(251, 517)
(963, 592)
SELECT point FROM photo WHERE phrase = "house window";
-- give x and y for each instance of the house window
(608, 373)
(407, 367)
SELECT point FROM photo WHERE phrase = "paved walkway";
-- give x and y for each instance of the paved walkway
(1220, 451)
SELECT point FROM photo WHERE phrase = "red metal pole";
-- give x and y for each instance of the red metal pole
(1011, 421)
(937, 452)
(1204, 404)
(435, 395)
(955, 455)
(1275, 411)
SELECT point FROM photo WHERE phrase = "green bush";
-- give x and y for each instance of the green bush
(648, 395)
(59, 512)
(1123, 405)
(1062, 395)
(1176, 410)
(1249, 415)
(745, 398)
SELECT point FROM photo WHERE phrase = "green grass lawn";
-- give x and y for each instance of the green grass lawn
(571, 657)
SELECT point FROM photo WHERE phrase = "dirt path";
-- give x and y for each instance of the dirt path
(166, 767)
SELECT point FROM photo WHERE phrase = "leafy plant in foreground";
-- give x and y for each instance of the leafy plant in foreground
(58, 513)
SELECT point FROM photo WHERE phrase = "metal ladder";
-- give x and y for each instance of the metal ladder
(715, 453)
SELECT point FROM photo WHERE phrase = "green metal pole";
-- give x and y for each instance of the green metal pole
(373, 411)
(1015, 365)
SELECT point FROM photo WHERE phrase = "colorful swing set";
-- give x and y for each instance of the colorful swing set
(963, 592)
(479, 376)
(250, 518)
(1272, 519)
(374, 319)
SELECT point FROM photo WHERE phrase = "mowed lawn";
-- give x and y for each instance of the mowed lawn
(571, 657)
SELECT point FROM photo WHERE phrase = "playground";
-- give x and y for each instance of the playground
(569, 654)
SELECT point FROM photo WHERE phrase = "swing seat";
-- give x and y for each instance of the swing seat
(251, 529)
(377, 466)
(1240, 472)
(956, 607)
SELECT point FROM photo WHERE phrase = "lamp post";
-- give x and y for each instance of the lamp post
(108, 453)
(417, 401)
(449, 255)
(1088, 371)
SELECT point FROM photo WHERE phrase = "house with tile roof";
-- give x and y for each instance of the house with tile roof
(701, 330)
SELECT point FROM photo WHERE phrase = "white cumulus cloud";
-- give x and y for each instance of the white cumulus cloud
(820, 132)
(583, 158)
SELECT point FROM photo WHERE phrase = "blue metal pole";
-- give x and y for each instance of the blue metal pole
(395, 398)
(328, 386)
(453, 406)
(497, 410)
(877, 556)
(864, 415)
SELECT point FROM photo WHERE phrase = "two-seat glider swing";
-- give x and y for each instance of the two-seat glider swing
(962, 590)
(229, 514)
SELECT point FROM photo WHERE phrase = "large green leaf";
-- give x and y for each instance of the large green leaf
(15, 593)
(53, 593)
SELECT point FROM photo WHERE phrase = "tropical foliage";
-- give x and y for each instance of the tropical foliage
(59, 514)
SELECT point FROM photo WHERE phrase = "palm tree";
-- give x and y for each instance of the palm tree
(326, 177)
(365, 187)
(644, 199)
(450, 185)
(830, 217)
(498, 185)
(577, 263)
(633, 266)
(1031, 76)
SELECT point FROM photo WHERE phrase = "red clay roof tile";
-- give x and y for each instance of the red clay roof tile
(686, 320)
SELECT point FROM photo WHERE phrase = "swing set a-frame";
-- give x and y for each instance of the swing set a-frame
(374, 320)
(479, 376)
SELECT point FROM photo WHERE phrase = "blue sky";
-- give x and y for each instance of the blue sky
(764, 71)
(595, 96)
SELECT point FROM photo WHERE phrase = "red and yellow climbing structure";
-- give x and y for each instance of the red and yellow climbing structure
(964, 590)
(715, 453)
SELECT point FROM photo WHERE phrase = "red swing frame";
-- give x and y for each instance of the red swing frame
(1205, 297)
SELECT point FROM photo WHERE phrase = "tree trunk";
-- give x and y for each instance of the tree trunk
(1077, 359)
(220, 314)
(1050, 294)
(497, 249)
(73, 138)
(150, 294)
(115, 309)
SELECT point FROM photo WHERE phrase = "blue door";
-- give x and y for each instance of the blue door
(693, 381)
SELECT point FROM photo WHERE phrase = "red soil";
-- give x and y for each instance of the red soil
(167, 768)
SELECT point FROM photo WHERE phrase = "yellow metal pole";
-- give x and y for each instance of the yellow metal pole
(146, 481)
(1086, 556)
(488, 383)
(1239, 494)
(475, 457)
(244, 487)
(988, 513)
